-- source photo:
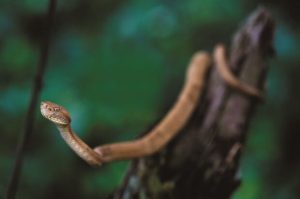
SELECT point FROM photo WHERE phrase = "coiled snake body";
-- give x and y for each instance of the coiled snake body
(161, 134)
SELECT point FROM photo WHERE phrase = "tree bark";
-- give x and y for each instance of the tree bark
(203, 160)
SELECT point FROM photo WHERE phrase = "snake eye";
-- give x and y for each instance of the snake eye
(49, 109)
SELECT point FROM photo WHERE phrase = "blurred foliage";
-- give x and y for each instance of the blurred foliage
(115, 65)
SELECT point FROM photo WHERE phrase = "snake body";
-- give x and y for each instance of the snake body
(229, 78)
(166, 129)
(80, 147)
(172, 123)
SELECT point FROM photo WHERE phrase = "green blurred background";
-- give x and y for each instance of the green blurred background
(115, 65)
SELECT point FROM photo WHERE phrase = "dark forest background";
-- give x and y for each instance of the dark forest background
(114, 65)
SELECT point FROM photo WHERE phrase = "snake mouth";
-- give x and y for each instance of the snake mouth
(43, 108)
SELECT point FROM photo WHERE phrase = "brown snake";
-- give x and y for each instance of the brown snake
(165, 130)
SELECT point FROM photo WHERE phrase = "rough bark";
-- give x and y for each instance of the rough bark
(203, 160)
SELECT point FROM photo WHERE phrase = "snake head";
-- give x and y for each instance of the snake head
(55, 113)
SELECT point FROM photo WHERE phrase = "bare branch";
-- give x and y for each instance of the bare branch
(30, 116)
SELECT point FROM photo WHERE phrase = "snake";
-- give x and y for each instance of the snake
(158, 137)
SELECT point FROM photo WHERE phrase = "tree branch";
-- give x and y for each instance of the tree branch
(203, 160)
(30, 116)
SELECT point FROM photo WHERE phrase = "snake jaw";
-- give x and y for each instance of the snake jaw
(55, 113)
